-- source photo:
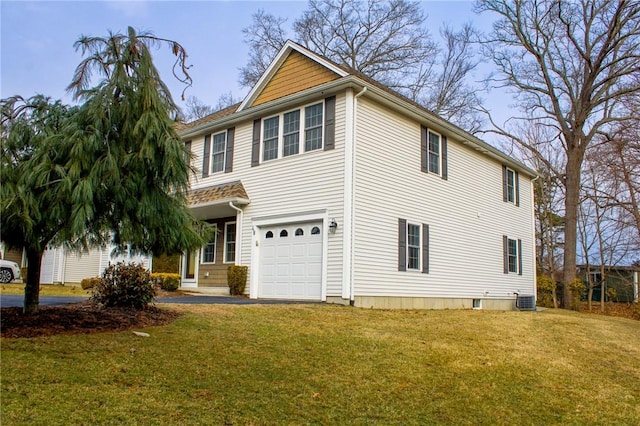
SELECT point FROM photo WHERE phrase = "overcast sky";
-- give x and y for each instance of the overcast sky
(37, 37)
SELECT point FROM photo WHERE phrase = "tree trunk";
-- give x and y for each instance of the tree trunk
(32, 288)
(571, 203)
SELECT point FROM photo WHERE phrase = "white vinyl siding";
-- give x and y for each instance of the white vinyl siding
(466, 215)
(294, 184)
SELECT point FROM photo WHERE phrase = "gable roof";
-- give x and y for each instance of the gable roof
(288, 50)
(331, 78)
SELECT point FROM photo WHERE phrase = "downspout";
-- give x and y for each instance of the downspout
(353, 188)
(533, 211)
(238, 232)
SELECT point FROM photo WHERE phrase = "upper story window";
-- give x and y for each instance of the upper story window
(292, 132)
(218, 152)
(433, 153)
(308, 128)
(510, 186)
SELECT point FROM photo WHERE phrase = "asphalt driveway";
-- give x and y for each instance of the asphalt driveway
(10, 300)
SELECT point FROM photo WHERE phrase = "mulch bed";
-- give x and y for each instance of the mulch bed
(80, 318)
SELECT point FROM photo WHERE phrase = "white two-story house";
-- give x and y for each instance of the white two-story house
(331, 187)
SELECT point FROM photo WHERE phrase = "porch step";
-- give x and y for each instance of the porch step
(205, 291)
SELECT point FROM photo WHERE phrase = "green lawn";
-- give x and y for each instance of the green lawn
(322, 364)
(46, 289)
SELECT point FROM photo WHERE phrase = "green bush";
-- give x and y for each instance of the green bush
(545, 285)
(88, 283)
(124, 285)
(169, 264)
(237, 279)
(577, 288)
(167, 282)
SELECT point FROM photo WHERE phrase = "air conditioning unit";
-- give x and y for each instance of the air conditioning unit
(526, 302)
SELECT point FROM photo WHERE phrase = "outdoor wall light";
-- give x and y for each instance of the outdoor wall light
(333, 226)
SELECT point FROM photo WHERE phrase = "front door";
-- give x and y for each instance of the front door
(190, 268)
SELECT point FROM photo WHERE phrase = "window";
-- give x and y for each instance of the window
(291, 133)
(209, 250)
(315, 230)
(299, 232)
(413, 246)
(269, 234)
(287, 127)
(510, 186)
(270, 138)
(433, 157)
(218, 151)
(434, 152)
(284, 233)
(217, 156)
(229, 242)
(313, 127)
(512, 249)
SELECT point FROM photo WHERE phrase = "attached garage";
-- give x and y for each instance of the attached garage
(290, 261)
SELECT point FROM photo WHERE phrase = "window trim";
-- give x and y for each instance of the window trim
(225, 249)
(439, 162)
(513, 196)
(215, 246)
(302, 141)
(419, 247)
(507, 255)
(223, 152)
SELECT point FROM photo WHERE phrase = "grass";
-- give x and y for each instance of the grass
(322, 364)
(46, 289)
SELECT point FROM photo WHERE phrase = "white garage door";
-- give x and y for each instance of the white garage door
(291, 261)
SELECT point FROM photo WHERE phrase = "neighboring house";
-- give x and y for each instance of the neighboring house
(63, 266)
(331, 187)
(623, 280)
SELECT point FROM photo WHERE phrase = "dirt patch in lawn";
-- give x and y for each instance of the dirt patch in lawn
(80, 318)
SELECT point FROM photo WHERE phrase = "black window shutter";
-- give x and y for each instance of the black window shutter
(425, 248)
(205, 156)
(424, 149)
(505, 253)
(402, 244)
(255, 146)
(330, 123)
(445, 172)
(228, 164)
(519, 257)
(505, 189)
(517, 188)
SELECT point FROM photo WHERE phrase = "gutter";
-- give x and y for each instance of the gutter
(392, 100)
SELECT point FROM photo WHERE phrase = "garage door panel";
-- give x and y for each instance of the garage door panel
(291, 266)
